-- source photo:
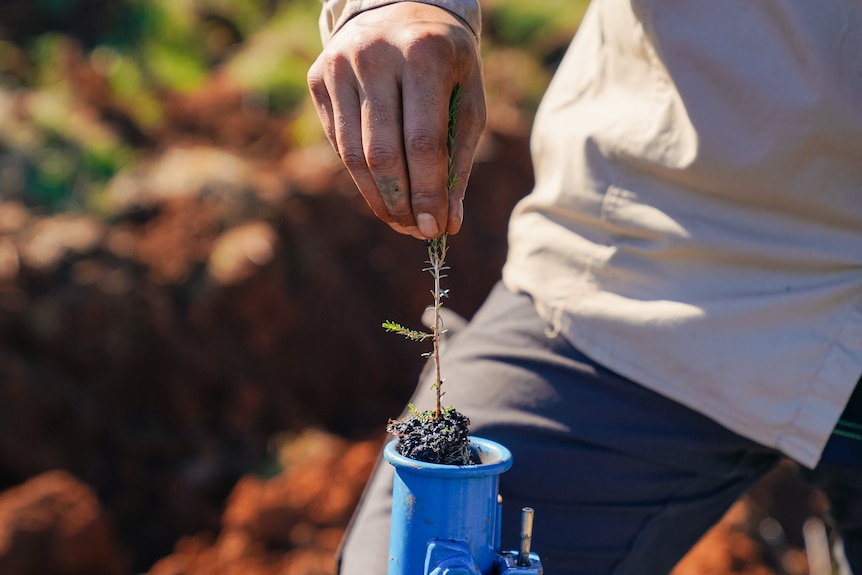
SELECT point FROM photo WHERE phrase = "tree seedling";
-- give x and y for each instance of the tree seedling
(438, 435)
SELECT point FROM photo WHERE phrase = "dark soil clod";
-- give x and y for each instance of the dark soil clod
(444, 440)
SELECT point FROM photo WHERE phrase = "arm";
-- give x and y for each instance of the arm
(382, 86)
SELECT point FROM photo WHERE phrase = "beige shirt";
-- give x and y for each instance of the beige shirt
(696, 223)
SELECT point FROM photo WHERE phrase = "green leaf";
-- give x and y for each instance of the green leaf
(412, 334)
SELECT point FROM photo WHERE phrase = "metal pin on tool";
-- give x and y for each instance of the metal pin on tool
(526, 537)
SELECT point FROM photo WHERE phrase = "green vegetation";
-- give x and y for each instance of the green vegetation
(92, 87)
(535, 26)
(82, 99)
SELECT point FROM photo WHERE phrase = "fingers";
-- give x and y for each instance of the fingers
(384, 153)
(322, 101)
(364, 130)
(382, 95)
(425, 134)
(370, 146)
(453, 60)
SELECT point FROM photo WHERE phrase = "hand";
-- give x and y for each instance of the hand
(382, 87)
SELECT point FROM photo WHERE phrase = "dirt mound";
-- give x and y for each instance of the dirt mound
(292, 523)
(153, 353)
(55, 524)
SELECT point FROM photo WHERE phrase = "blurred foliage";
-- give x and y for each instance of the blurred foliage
(92, 87)
(539, 27)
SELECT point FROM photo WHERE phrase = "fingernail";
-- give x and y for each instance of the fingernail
(427, 225)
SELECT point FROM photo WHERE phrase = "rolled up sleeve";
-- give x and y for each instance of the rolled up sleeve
(336, 12)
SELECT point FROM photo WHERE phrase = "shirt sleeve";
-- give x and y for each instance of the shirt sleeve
(336, 12)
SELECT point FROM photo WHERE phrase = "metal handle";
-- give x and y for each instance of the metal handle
(526, 537)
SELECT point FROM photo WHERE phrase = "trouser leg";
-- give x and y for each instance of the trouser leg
(622, 480)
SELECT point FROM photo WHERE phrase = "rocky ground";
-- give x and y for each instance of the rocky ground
(161, 369)
(162, 353)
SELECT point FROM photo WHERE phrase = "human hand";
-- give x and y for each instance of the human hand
(382, 87)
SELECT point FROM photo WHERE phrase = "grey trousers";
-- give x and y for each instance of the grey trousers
(622, 480)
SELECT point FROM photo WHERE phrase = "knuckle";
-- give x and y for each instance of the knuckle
(317, 70)
(353, 158)
(383, 158)
(314, 79)
(424, 144)
(369, 54)
(422, 44)
(337, 65)
(397, 212)
(427, 201)
(318, 89)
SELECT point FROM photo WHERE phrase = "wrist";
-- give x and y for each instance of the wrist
(336, 13)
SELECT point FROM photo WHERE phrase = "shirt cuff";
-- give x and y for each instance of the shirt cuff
(336, 12)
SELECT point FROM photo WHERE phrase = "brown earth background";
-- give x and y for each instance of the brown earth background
(193, 378)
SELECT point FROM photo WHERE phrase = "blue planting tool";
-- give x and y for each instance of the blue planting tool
(446, 518)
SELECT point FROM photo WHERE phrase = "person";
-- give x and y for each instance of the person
(681, 305)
